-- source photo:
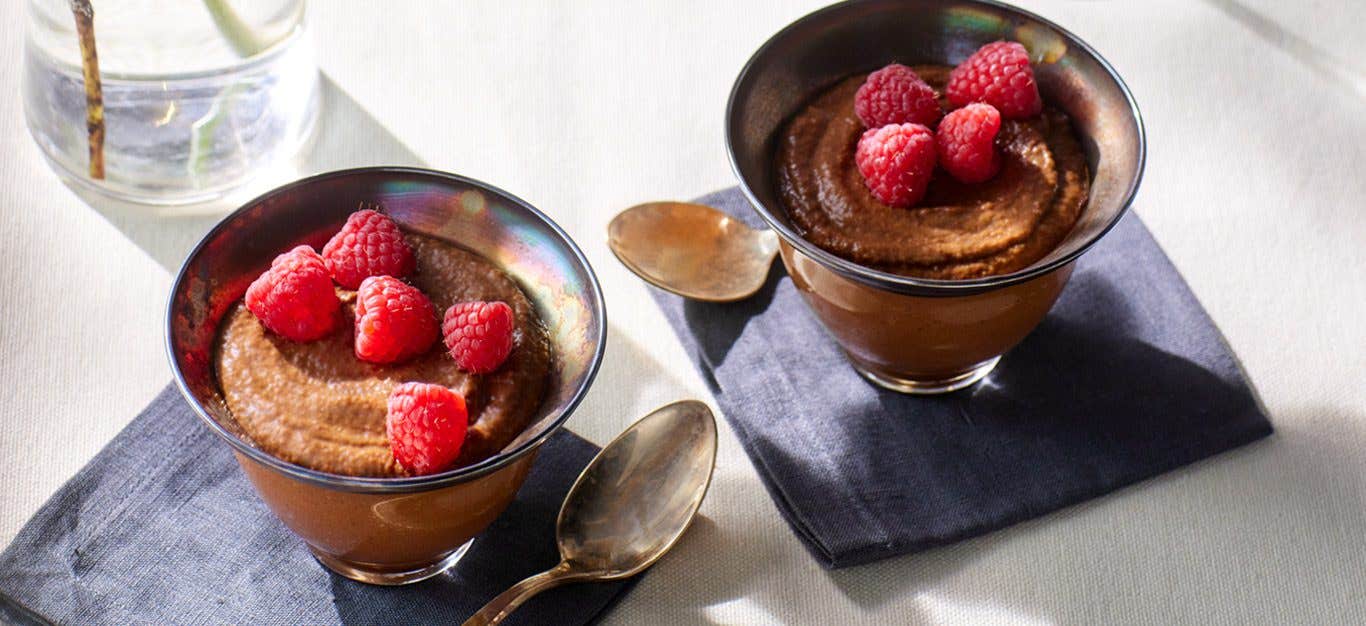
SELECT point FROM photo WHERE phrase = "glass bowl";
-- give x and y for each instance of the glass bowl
(389, 530)
(919, 335)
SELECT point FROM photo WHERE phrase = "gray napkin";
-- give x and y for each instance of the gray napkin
(1127, 378)
(161, 527)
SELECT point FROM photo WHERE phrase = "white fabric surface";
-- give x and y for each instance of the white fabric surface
(1256, 114)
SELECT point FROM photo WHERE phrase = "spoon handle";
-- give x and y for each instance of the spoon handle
(500, 607)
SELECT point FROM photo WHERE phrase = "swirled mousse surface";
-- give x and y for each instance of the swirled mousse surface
(315, 404)
(959, 230)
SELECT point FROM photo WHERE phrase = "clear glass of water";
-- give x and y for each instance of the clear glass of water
(197, 95)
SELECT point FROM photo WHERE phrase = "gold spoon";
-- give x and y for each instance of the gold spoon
(692, 250)
(629, 506)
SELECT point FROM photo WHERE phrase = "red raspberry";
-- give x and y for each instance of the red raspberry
(426, 426)
(394, 321)
(295, 298)
(478, 334)
(896, 95)
(370, 244)
(896, 161)
(998, 74)
(967, 142)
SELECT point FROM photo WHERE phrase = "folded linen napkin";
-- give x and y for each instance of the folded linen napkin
(161, 527)
(1127, 378)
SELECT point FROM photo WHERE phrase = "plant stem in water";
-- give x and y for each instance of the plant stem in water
(247, 43)
(240, 35)
(94, 95)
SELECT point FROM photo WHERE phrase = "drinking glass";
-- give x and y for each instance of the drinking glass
(165, 102)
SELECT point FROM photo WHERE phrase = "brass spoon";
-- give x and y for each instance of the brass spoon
(692, 250)
(629, 506)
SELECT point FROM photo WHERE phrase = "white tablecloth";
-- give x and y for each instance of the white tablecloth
(1256, 114)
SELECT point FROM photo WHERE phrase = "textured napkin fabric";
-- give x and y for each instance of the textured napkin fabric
(163, 528)
(1127, 378)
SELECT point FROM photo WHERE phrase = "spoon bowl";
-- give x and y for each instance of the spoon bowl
(633, 502)
(693, 250)
(629, 506)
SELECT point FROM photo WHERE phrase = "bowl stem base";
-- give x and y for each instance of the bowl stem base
(376, 574)
(926, 386)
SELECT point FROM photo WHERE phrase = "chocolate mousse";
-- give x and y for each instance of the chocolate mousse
(958, 230)
(317, 405)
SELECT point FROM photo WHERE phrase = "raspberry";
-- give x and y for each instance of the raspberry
(896, 95)
(478, 334)
(370, 244)
(896, 162)
(295, 298)
(997, 74)
(426, 426)
(394, 321)
(967, 142)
